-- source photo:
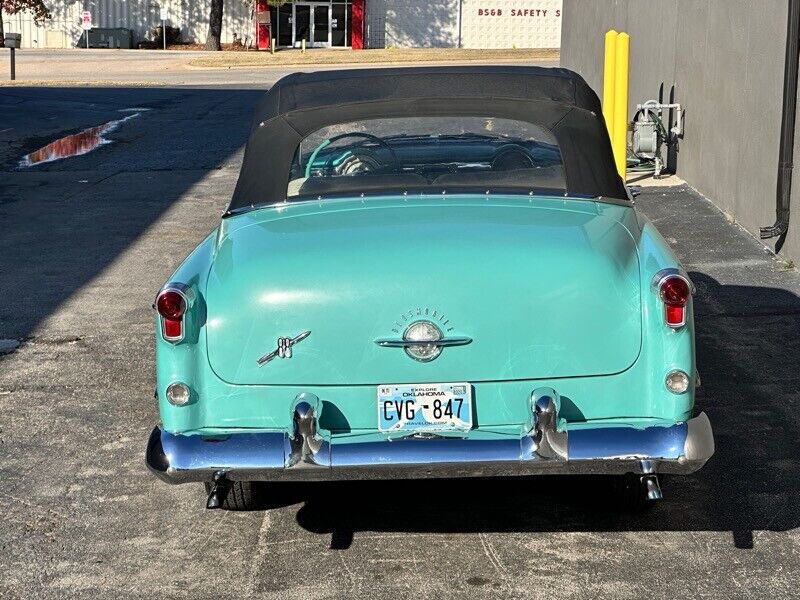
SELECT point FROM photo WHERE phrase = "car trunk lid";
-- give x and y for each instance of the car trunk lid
(543, 288)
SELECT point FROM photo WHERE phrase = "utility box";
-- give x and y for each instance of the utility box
(106, 37)
(13, 40)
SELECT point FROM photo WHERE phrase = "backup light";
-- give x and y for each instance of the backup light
(677, 382)
(178, 394)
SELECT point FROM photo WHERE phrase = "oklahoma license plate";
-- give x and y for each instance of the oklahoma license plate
(425, 407)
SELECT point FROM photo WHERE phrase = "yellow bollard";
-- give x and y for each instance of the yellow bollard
(620, 137)
(609, 65)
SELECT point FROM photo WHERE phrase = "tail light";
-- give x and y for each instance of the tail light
(675, 291)
(171, 305)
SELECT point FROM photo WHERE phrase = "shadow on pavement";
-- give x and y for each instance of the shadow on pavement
(749, 359)
(65, 222)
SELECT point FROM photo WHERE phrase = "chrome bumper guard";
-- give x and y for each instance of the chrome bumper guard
(307, 454)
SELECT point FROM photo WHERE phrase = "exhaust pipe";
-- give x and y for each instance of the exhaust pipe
(652, 487)
(219, 491)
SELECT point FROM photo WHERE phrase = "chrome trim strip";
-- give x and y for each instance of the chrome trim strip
(417, 194)
(308, 455)
(444, 342)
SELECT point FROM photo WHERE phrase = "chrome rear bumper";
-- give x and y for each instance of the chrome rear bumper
(309, 455)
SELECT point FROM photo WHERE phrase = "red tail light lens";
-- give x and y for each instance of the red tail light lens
(171, 305)
(675, 291)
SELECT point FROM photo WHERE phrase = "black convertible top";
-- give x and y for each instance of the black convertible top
(557, 99)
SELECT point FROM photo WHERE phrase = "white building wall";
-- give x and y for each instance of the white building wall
(412, 23)
(390, 23)
(511, 23)
(64, 28)
(475, 23)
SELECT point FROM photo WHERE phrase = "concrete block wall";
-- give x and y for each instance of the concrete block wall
(723, 60)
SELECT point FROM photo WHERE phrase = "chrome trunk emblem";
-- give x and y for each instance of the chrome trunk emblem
(423, 341)
(284, 349)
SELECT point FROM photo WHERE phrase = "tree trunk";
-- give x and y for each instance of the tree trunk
(2, 34)
(215, 26)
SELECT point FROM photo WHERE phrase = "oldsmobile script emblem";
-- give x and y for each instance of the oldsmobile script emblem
(284, 349)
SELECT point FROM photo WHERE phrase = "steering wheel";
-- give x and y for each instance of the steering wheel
(511, 157)
(341, 136)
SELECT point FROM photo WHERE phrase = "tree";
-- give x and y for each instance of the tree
(215, 26)
(12, 7)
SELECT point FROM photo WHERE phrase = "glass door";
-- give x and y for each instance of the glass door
(301, 24)
(339, 25)
(312, 23)
(284, 24)
(322, 25)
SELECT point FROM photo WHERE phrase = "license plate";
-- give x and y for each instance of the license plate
(425, 407)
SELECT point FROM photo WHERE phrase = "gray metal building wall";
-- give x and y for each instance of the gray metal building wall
(724, 59)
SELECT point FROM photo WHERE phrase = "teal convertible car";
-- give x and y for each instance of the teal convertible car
(427, 272)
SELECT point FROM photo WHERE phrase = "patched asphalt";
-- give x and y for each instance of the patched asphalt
(85, 245)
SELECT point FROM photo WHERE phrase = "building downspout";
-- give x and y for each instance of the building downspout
(460, 20)
(789, 109)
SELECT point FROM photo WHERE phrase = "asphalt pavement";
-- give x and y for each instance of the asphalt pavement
(87, 241)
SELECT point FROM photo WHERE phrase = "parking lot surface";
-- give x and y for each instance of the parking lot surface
(87, 241)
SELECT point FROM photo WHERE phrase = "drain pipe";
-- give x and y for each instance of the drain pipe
(786, 151)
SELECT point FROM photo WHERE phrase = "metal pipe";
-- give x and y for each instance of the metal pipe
(652, 487)
(460, 17)
(608, 81)
(786, 149)
(620, 136)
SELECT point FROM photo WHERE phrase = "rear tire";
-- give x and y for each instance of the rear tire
(243, 495)
(631, 494)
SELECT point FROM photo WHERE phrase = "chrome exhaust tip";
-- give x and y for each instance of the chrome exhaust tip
(652, 487)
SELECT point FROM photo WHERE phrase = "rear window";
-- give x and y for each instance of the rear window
(427, 155)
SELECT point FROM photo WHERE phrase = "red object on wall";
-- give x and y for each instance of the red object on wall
(263, 32)
(357, 37)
